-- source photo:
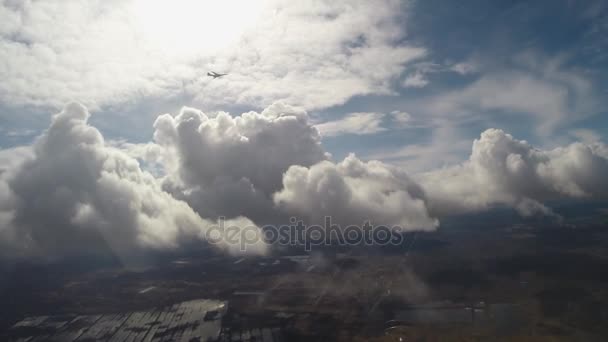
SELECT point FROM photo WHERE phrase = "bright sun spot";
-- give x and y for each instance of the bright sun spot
(188, 28)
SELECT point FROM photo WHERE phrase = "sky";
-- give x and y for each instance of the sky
(399, 112)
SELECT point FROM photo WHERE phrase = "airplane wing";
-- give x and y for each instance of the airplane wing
(215, 74)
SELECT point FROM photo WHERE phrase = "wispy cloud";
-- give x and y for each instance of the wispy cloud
(314, 54)
(354, 123)
(544, 89)
(402, 119)
(416, 80)
(463, 68)
(445, 147)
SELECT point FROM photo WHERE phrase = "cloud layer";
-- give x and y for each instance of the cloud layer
(73, 193)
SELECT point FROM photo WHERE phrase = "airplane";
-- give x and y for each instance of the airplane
(215, 74)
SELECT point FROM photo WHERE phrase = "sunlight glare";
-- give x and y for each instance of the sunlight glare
(188, 28)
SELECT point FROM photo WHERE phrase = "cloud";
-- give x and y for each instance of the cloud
(230, 166)
(416, 80)
(11, 157)
(354, 123)
(419, 77)
(402, 119)
(463, 68)
(446, 147)
(73, 193)
(504, 171)
(353, 192)
(76, 195)
(313, 54)
(253, 165)
(587, 136)
(544, 88)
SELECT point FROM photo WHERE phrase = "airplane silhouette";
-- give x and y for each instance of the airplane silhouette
(215, 74)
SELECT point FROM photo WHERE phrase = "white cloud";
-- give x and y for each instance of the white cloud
(354, 123)
(314, 54)
(463, 68)
(353, 192)
(419, 77)
(504, 171)
(402, 119)
(416, 80)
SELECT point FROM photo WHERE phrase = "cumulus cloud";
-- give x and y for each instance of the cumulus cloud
(11, 157)
(354, 123)
(353, 192)
(314, 54)
(231, 166)
(269, 166)
(76, 195)
(505, 171)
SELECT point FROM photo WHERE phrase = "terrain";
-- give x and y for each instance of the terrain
(513, 281)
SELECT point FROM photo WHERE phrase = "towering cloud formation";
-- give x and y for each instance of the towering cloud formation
(352, 192)
(270, 165)
(75, 195)
(506, 171)
(225, 166)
